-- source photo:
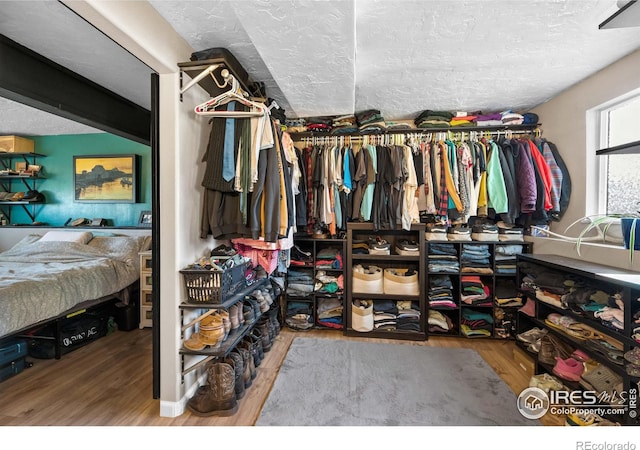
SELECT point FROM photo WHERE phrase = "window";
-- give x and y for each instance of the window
(620, 173)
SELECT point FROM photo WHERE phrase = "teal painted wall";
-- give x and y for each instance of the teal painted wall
(57, 186)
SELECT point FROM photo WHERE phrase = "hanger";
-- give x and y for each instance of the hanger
(234, 94)
(208, 71)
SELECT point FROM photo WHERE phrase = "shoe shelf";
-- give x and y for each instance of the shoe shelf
(221, 349)
(615, 334)
(622, 290)
(359, 233)
(577, 344)
(316, 250)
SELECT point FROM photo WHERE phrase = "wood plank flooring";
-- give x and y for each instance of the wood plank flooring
(109, 383)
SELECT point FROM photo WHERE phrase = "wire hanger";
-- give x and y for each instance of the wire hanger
(234, 94)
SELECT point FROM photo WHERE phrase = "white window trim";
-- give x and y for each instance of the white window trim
(597, 166)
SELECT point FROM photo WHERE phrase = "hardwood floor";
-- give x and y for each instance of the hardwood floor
(109, 382)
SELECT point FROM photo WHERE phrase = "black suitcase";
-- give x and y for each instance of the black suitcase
(12, 357)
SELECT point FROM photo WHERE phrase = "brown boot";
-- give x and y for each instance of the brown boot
(247, 344)
(236, 361)
(218, 396)
(247, 361)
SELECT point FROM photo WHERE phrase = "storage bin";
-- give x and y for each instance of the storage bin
(362, 316)
(367, 280)
(16, 144)
(397, 282)
(213, 286)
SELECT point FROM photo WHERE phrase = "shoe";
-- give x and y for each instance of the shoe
(580, 419)
(378, 246)
(511, 234)
(606, 349)
(633, 356)
(552, 347)
(194, 343)
(223, 250)
(300, 255)
(581, 356)
(459, 233)
(568, 369)
(17, 197)
(436, 233)
(33, 196)
(532, 335)
(546, 382)
(407, 248)
(218, 396)
(484, 232)
(602, 379)
(529, 308)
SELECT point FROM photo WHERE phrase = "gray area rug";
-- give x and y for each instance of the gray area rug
(327, 382)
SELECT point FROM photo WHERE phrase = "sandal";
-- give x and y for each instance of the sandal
(606, 349)
(582, 332)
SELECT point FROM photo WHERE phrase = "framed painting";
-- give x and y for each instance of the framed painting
(105, 178)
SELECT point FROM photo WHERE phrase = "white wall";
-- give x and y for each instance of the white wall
(565, 122)
(140, 29)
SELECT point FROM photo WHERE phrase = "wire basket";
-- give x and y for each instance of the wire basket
(213, 286)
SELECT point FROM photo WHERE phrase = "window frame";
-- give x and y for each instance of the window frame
(602, 129)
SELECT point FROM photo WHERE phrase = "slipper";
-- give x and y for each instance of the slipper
(194, 343)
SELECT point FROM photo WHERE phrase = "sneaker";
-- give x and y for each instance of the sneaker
(459, 234)
(300, 255)
(484, 232)
(378, 246)
(407, 248)
(436, 233)
(532, 335)
(223, 250)
(511, 234)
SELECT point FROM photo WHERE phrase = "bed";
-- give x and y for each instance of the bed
(45, 277)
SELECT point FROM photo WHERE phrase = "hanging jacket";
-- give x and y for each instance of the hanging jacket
(545, 173)
(507, 165)
(496, 189)
(527, 187)
(565, 191)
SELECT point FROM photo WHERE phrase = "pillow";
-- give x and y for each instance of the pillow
(81, 237)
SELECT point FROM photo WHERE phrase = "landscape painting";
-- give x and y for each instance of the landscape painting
(109, 178)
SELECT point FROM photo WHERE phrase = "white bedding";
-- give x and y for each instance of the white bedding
(40, 280)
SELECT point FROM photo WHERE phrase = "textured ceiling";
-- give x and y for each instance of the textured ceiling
(335, 57)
